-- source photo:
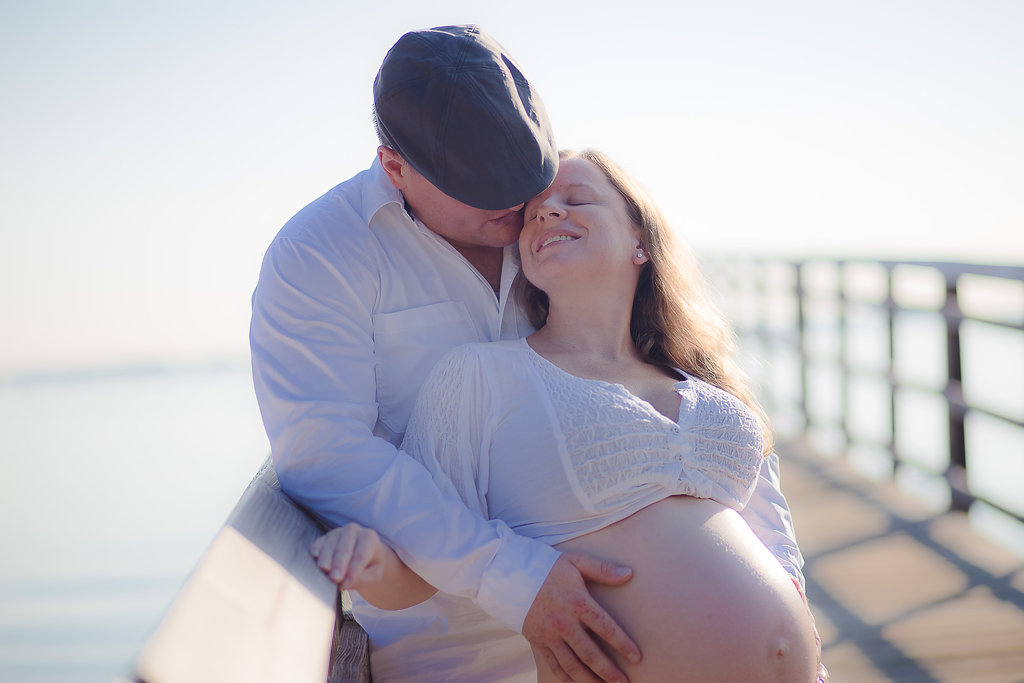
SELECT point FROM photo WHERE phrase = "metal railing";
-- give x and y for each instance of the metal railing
(885, 360)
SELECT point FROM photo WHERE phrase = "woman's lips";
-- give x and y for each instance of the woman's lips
(548, 240)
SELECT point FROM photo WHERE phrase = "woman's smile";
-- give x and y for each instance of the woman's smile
(558, 237)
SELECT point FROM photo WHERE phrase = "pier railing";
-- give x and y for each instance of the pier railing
(911, 369)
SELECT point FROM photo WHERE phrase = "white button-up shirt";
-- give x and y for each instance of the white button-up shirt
(356, 302)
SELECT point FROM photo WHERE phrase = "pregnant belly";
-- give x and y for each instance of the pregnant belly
(707, 601)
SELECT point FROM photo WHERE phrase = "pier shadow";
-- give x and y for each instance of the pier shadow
(900, 594)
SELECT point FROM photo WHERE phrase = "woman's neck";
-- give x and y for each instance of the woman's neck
(595, 343)
(597, 330)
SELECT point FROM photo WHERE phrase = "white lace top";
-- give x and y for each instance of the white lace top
(556, 456)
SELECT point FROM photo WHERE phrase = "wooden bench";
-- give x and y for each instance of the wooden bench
(256, 608)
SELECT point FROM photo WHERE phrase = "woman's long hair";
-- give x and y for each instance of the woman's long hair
(674, 324)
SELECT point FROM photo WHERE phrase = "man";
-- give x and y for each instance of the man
(364, 290)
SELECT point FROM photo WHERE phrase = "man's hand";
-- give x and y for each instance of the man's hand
(564, 619)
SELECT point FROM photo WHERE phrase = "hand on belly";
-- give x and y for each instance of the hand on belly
(707, 601)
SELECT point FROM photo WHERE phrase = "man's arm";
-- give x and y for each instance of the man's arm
(355, 557)
(314, 374)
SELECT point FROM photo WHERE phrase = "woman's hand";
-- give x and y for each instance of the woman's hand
(352, 556)
(355, 558)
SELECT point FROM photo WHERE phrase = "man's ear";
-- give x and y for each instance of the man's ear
(394, 165)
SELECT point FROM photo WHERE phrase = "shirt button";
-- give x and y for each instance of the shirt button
(675, 430)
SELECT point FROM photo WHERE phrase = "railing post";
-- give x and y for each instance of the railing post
(801, 340)
(844, 363)
(890, 315)
(956, 472)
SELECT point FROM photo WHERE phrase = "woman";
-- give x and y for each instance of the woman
(622, 429)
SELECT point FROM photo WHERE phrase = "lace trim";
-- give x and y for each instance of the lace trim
(615, 442)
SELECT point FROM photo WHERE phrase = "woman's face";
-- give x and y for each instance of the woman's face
(577, 231)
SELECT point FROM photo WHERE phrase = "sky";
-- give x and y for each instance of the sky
(149, 151)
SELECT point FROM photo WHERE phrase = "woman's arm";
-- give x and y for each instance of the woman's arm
(355, 558)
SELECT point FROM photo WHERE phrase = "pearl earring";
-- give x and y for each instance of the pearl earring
(639, 254)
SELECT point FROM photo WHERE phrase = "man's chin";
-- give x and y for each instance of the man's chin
(504, 235)
(512, 218)
(509, 238)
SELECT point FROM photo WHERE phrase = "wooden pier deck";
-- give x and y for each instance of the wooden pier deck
(900, 594)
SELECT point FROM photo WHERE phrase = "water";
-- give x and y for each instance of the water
(112, 489)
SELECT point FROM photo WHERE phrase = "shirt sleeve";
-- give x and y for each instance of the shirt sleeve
(446, 431)
(313, 368)
(767, 513)
(449, 434)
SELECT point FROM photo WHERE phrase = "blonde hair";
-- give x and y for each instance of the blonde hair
(674, 323)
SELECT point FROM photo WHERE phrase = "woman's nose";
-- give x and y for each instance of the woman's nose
(550, 209)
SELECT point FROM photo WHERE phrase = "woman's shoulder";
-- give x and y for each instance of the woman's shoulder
(486, 353)
(483, 358)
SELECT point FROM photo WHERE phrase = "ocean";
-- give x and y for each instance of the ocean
(113, 487)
